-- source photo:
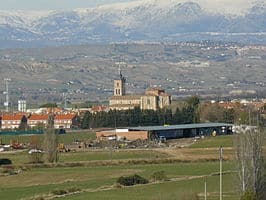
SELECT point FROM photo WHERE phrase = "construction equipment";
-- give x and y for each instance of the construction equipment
(62, 148)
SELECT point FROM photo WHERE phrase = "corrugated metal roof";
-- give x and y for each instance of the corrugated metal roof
(181, 126)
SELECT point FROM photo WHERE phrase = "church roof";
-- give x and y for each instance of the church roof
(126, 97)
(124, 105)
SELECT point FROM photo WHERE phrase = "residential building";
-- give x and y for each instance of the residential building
(102, 108)
(37, 119)
(66, 121)
(22, 106)
(12, 121)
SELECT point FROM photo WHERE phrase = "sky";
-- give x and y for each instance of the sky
(53, 4)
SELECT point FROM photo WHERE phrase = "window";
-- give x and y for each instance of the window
(148, 101)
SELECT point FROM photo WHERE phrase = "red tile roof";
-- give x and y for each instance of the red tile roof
(12, 117)
(65, 116)
(39, 117)
(99, 108)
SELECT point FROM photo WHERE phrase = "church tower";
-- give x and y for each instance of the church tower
(119, 85)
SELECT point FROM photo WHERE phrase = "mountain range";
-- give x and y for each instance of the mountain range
(146, 21)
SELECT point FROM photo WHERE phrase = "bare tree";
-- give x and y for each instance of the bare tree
(51, 141)
(36, 155)
(250, 161)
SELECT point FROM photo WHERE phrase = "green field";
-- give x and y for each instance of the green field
(214, 142)
(164, 191)
(98, 182)
(111, 155)
(19, 158)
(64, 138)
(189, 179)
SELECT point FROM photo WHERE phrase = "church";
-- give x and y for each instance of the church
(153, 99)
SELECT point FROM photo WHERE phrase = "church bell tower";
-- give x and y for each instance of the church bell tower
(119, 85)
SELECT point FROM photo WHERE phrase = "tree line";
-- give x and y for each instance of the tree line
(191, 111)
(137, 117)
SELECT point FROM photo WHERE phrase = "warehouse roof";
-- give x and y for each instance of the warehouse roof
(181, 126)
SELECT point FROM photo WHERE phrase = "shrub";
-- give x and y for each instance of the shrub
(159, 176)
(117, 185)
(132, 180)
(73, 189)
(24, 168)
(36, 158)
(249, 196)
(59, 192)
(9, 170)
(65, 191)
(5, 161)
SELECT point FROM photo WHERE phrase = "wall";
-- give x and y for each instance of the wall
(131, 135)
(164, 101)
(149, 103)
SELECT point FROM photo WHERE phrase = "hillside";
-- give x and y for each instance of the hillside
(87, 72)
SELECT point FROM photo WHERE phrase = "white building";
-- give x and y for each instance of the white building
(22, 106)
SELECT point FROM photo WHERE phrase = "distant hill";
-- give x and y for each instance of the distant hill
(87, 72)
(148, 20)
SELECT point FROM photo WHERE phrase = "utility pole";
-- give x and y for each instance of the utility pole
(205, 189)
(65, 100)
(249, 117)
(6, 104)
(221, 171)
(243, 179)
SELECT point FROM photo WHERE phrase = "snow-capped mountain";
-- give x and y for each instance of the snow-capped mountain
(147, 20)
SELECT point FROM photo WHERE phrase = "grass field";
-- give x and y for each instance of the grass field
(98, 182)
(164, 191)
(19, 158)
(214, 142)
(189, 179)
(64, 138)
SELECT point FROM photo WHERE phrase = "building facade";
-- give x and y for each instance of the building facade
(167, 132)
(22, 105)
(66, 121)
(122, 134)
(61, 121)
(12, 121)
(153, 99)
(35, 120)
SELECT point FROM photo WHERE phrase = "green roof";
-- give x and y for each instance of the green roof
(181, 126)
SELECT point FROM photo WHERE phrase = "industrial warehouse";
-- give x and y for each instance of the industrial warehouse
(167, 132)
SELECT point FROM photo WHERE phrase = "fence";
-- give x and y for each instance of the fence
(30, 132)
